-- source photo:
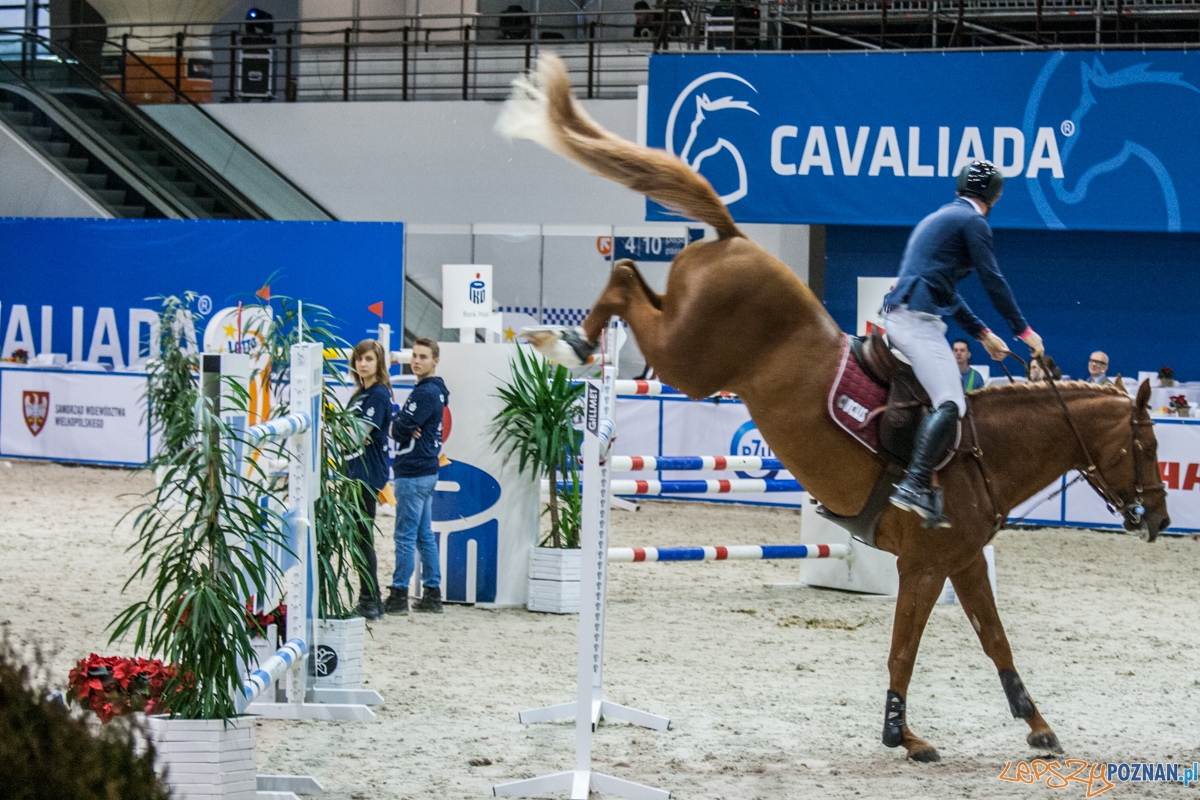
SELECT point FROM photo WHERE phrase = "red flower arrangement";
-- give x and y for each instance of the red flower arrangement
(1166, 372)
(113, 686)
(257, 622)
(1179, 401)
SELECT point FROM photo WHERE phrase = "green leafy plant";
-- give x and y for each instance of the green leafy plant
(205, 560)
(537, 427)
(171, 389)
(338, 509)
(570, 514)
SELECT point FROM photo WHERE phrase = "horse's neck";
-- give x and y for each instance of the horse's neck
(1028, 441)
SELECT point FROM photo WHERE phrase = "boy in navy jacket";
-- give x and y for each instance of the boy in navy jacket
(417, 429)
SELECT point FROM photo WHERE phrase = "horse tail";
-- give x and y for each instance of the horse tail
(543, 109)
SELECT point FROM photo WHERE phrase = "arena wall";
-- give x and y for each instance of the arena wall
(1130, 294)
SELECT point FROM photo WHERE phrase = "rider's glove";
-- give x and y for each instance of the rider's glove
(1034, 341)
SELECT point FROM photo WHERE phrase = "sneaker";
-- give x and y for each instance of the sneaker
(369, 608)
(431, 601)
(397, 602)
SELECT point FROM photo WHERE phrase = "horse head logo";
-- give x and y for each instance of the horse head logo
(1104, 144)
(699, 146)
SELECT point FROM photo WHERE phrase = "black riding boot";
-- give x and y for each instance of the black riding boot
(914, 492)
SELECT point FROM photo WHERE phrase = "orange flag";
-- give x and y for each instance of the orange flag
(376, 309)
(264, 293)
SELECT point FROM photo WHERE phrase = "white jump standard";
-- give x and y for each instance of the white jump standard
(299, 590)
(598, 489)
(589, 703)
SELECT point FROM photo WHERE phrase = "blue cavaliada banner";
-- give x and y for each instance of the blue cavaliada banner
(1085, 140)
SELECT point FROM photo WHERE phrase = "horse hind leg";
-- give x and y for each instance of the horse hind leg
(627, 295)
(975, 593)
(914, 602)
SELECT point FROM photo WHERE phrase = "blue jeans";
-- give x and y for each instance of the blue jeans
(414, 513)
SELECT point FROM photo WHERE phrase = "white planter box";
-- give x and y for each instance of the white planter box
(339, 653)
(553, 580)
(205, 759)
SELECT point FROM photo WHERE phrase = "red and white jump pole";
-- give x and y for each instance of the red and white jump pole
(742, 552)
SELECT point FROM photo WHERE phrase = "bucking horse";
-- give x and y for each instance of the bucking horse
(736, 319)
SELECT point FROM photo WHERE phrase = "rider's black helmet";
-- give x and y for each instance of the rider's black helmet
(981, 179)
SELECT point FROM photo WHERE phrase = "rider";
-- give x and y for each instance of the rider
(942, 250)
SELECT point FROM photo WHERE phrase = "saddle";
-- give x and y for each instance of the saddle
(907, 400)
(877, 399)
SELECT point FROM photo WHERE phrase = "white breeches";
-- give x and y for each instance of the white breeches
(922, 339)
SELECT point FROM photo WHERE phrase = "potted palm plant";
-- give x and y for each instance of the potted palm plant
(537, 427)
(340, 631)
(203, 541)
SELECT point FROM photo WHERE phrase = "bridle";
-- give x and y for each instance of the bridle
(1133, 510)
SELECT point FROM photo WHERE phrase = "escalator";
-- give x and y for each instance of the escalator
(171, 161)
(118, 154)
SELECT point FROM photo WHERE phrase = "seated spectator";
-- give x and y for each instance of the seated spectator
(1098, 368)
(645, 21)
(971, 379)
(1034, 371)
(514, 23)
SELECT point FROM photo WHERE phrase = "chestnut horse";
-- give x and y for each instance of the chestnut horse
(736, 319)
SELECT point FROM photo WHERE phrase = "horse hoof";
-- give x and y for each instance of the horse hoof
(559, 345)
(928, 755)
(1045, 742)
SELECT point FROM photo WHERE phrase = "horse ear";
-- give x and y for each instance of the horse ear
(1143, 395)
(1120, 384)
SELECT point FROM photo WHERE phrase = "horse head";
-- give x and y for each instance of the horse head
(1133, 485)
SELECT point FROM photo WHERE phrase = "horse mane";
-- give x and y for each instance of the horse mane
(1002, 390)
(543, 109)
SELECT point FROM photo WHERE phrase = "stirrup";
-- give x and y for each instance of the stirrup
(925, 503)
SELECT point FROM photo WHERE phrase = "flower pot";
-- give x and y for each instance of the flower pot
(204, 759)
(553, 580)
(339, 653)
(1183, 412)
(1166, 382)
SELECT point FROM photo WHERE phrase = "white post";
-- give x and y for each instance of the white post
(304, 486)
(593, 543)
(384, 336)
(302, 427)
(466, 335)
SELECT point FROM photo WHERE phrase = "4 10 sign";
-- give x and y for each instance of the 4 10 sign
(654, 248)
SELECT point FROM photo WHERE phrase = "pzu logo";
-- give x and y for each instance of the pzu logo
(747, 441)
(705, 142)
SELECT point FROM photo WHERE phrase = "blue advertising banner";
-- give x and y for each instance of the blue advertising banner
(1085, 140)
(81, 287)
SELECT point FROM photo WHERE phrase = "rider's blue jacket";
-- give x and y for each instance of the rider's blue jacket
(942, 250)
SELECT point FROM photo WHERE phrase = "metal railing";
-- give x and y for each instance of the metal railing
(475, 56)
